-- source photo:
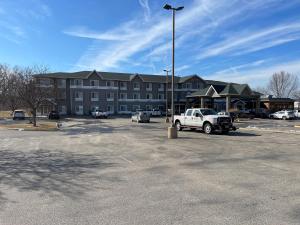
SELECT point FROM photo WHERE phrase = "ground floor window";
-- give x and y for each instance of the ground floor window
(149, 107)
(161, 107)
(123, 108)
(135, 108)
(79, 109)
(110, 108)
(62, 109)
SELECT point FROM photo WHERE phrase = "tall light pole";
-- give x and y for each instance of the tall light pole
(167, 82)
(172, 132)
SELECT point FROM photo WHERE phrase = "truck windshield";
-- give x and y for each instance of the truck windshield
(206, 112)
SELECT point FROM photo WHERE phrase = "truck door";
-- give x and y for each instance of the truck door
(197, 118)
(188, 118)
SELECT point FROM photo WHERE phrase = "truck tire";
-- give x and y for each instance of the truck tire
(208, 128)
(225, 131)
(178, 125)
(284, 117)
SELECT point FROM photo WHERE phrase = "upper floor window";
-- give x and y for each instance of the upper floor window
(123, 85)
(94, 96)
(123, 108)
(123, 95)
(109, 83)
(110, 95)
(148, 86)
(136, 86)
(148, 96)
(45, 81)
(188, 85)
(94, 83)
(198, 86)
(161, 86)
(161, 96)
(61, 83)
(136, 95)
(78, 96)
(78, 82)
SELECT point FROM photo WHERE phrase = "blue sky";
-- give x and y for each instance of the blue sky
(232, 40)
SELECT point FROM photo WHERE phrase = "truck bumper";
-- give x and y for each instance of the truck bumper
(224, 127)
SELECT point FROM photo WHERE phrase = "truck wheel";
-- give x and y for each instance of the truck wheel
(284, 118)
(208, 128)
(178, 126)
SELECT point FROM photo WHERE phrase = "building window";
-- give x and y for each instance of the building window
(62, 95)
(136, 96)
(161, 107)
(94, 96)
(62, 109)
(78, 82)
(123, 86)
(61, 83)
(136, 86)
(149, 86)
(110, 108)
(148, 96)
(135, 108)
(161, 87)
(109, 83)
(45, 82)
(110, 96)
(198, 85)
(123, 95)
(79, 109)
(188, 85)
(123, 108)
(94, 83)
(78, 96)
(149, 107)
(161, 96)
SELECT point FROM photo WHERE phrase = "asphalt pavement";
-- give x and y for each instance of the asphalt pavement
(117, 172)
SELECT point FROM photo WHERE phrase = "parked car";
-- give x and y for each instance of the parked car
(18, 115)
(140, 117)
(99, 114)
(206, 119)
(153, 112)
(297, 113)
(283, 114)
(53, 115)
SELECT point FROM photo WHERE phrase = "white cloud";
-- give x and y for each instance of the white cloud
(254, 40)
(182, 68)
(256, 76)
(147, 12)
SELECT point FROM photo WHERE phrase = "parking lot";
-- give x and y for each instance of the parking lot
(117, 172)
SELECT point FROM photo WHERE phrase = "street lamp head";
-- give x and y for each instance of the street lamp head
(179, 8)
(167, 7)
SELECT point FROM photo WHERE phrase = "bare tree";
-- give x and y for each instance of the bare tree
(31, 92)
(262, 90)
(283, 84)
(4, 71)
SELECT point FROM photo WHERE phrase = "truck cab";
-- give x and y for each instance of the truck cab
(203, 118)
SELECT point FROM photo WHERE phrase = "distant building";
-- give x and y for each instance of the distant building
(275, 104)
(81, 92)
(224, 96)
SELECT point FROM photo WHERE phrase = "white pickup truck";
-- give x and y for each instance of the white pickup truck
(205, 119)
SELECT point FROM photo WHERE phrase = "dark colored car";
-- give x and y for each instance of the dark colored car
(53, 115)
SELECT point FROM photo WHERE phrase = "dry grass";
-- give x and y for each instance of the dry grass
(45, 126)
(5, 114)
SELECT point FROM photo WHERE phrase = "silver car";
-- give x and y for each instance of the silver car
(140, 117)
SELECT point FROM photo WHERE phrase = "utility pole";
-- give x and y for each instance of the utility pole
(167, 82)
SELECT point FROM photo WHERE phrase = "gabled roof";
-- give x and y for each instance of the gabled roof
(229, 90)
(201, 92)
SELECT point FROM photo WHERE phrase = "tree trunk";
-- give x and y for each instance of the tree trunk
(34, 117)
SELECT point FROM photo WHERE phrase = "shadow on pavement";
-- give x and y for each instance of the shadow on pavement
(53, 173)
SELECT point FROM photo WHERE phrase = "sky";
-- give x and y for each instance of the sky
(242, 41)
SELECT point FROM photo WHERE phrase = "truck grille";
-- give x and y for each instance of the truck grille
(224, 120)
